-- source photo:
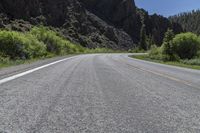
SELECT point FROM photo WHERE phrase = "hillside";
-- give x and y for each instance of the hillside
(157, 25)
(113, 24)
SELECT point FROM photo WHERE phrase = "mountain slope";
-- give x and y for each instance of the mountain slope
(120, 13)
(72, 18)
(92, 23)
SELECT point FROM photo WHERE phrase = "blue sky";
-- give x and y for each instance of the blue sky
(168, 7)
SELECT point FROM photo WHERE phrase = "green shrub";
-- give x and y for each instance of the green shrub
(3, 58)
(55, 43)
(19, 45)
(137, 50)
(198, 54)
(191, 62)
(186, 45)
(155, 53)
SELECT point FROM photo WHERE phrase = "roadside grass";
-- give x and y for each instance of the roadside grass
(38, 44)
(8, 63)
(192, 62)
(173, 63)
(102, 50)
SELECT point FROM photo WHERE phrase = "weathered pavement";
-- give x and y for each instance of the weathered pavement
(107, 93)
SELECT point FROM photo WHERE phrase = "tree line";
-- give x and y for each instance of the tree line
(190, 21)
(153, 28)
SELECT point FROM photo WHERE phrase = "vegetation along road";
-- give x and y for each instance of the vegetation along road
(108, 93)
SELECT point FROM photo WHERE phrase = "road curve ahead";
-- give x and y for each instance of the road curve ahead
(101, 93)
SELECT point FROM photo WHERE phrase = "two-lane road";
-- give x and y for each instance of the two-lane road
(106, 93)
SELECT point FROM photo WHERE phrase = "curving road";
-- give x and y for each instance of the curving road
(106, 93)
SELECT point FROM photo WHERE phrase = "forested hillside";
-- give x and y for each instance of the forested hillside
(180, 49)
(156, 26)
(190, 21)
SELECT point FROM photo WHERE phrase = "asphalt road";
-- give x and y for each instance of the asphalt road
(106, 93)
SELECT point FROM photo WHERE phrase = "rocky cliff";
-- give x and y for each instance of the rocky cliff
(120, 13)
(71, 17)
(92, 23)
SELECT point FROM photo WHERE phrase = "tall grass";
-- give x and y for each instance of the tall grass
(192, 62)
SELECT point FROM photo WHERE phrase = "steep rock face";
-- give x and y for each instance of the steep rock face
(20, 8)
(120, 13)
(54, 11)
(91, 31)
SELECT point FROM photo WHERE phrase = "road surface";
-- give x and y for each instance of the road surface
(101, 93)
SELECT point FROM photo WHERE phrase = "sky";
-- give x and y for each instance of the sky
(168, 7)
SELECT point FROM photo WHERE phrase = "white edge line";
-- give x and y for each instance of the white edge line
(2, 81)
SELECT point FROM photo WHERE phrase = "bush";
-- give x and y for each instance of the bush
(198, 54)
(191, 62)
(18, 45)
(155, 53)
(186, 45)
(137, 50)
(3, 58)
(55, 43)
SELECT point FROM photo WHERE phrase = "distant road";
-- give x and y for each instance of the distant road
(106, 93)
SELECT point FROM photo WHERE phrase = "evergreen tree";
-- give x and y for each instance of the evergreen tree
(190, 21)
(156, 26)
(167, 46)
(143, 38)
(150, 41)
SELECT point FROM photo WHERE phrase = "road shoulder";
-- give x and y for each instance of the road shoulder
(9, 71)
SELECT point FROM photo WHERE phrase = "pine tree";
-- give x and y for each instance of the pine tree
(167, 46)
(150, 41)
(143, 38)
(188, 20)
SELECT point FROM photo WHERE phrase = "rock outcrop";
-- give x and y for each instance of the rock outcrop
(73, 19)
(119, 13)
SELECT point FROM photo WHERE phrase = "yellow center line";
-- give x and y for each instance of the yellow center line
(161, 74)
